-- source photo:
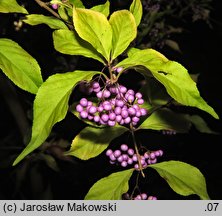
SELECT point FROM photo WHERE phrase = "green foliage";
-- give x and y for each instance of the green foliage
(123, 32)
(11, 6)
(165, 119)
(51, 106)
(137, 10)
(94, 28)
(77, 3)
(183, 178)
(20, 67)
(103, 8)
(68, 42)
(172, 75)
(52, 22)
(91, 141)
(111, 187)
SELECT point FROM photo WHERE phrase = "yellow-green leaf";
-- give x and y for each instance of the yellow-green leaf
(172, 75)
(52, 22)
(91, 141)
(111, 187)
(68, 42)
(94, 28)
(103, 8)
(183, 178)
(137, 10)
(51, 106)
(124, 31)
(20, 67)
(11, 6)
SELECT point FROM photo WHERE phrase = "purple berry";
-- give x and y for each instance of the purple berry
(112, 116)
(143, 111)
(144, 196)
(146, 155)
(153, 161)
(99, 94)
(55, 6)
(125, 157)
(111, 123)
(122, 89)
(100, 109)
(140, 101)
(107, 107)
(130, 152)
(84, 114)
(135, 158)
(136, 166)
(160, 152)
(124, 147)
(95, 85)
(131, 92)
(127, 120)
(90, 117)
(112, 157)
(119, 69)
(117, 110)
(79, 108)
(138, 113)
(124, 114)
(138, 95)
(119, 103)
(130, 98)
(152, 155)
(120, 159)
(109, 152)
(130, 161)
(105, 117)
(117, 153)
(132, 111)
(96, 118)
(97, 89)
(106, 93)
(124, 164)
(135, 119)
(118, 118)
(92, 110)
(84, 102)
(157, 153)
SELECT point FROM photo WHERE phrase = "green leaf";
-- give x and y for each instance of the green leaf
(51, 106)
(20, 67)
(136, 9)
(11, 6)
(91, 141)
(183, 178)
(77, 3)
(52, 22)
(124, 31)
(68, 42)
(94, 27)
(172, 75)
(103, 8)
(200, 124)
(111, 187)
(165, 119)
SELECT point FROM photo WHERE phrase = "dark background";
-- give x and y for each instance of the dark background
(37, 178)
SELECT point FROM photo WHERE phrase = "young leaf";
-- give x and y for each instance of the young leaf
(111, 187)
(11, 6)
(52, 22)
(94, 27)
(183, 178)
(51, 105)
(68, 42)
(137, 10)
(165, 119)
(172, 75)
(77, 3)
(19, 66)
(103, 8)
(124, 31)
(91, 141)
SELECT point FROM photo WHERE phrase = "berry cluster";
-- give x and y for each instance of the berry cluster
(144, 196)
(117, 105)
(126, 156)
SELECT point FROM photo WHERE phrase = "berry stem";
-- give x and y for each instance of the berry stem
(137, 151)
(45, 6)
